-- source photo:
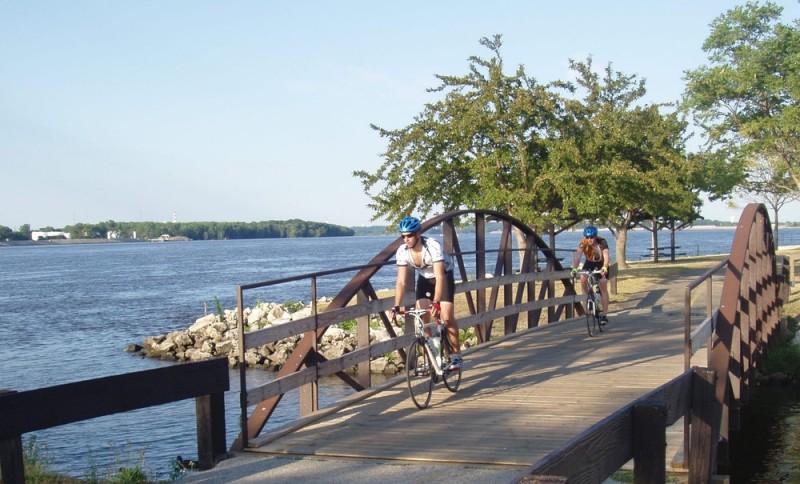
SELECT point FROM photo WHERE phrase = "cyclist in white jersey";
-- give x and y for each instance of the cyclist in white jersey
(435, 288)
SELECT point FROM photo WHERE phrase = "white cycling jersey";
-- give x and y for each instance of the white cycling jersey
(431, 252)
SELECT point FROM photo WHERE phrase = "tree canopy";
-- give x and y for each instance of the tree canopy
(746, 98)
(548, 155)
(628, 158)
(485, 144)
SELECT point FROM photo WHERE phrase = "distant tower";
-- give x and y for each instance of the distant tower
(174, 217)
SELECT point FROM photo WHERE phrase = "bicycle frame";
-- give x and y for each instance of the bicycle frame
(426, 364)
(593, 301)
(420, 333)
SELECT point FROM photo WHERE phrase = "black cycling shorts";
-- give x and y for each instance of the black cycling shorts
(594, 266)
(426, 287)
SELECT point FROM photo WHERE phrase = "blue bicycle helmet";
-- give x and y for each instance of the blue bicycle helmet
(408, 225)
(590, 231)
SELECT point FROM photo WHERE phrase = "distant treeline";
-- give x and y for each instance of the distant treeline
(271, 229)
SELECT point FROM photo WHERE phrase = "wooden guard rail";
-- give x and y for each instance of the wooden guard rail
(739, 333)
(526, 288)
(28, 411)
(638, 431)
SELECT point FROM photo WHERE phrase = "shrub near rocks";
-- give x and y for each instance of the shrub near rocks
(215, 335)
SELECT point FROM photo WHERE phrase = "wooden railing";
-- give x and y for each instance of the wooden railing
(638, 431)
(700, 337)
(28, 411)
(514, 288)
(739, 333)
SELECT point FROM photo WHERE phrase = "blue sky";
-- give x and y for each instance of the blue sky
(261, 110)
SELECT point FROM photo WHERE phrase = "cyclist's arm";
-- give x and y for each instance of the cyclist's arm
(438, 272)
(606, 260)
(400, 285)
(576, 257)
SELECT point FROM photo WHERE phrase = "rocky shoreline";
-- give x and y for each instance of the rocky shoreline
(214, 335)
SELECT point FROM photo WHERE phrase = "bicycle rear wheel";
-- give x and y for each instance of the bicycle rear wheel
(419, 373)
(452, 378)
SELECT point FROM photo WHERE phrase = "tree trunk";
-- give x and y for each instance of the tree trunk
(521, 240)
(775, 239)
(622, 243)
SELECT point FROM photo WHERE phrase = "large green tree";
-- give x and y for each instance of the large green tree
(746, 98)
(546, 154)
(483, 144)
(629, 156)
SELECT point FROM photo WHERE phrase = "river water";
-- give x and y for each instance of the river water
(68, 311)
(767, 449)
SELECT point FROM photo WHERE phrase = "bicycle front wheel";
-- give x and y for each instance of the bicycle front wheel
(419, 373)
(597, 322)
(452, 378)
(591, 311)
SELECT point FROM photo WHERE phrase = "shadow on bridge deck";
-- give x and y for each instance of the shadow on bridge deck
(521, 398)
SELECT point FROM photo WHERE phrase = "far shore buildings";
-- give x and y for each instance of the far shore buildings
(55, 234)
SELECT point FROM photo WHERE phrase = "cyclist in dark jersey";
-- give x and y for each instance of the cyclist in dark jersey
(595, 249)
(435, 279)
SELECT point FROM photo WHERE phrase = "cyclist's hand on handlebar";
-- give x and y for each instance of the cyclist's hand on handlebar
(604, 271)
(436, 309)
(574, 271)
(395, 310)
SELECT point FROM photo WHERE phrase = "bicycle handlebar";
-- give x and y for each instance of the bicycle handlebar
(413, 311)
(417, 313)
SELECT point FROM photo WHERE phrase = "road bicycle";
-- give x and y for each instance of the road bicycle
(593, 302)
(428, 359)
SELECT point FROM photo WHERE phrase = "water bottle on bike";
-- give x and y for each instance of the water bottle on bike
(435, 340)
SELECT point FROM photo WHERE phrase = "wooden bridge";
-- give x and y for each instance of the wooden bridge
(540, 399)
(544, 397)
(522, 396)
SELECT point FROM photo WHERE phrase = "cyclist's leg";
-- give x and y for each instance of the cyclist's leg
(603, 300)
(449, 316)
(584, 283)
(604, 295)
(425, 291)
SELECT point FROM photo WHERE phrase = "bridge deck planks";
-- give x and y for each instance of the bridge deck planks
(519, 399)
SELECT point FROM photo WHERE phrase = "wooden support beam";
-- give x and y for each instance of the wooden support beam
(649, 442)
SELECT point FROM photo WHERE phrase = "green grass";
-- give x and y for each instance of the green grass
(293, 306)
(220, 311)
(36, 460)
(129, 467)
(627, 476)
(785, 358)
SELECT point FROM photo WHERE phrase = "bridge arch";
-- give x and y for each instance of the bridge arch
(535, 253)
(748, 319)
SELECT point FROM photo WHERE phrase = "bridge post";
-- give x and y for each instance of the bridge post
(649, 442)
(211, 445)
(705, 415)
(364, 375)
(12, 464)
